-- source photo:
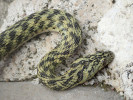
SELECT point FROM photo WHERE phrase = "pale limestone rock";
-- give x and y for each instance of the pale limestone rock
(113, 33)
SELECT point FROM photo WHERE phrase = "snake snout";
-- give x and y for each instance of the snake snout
(109, 56)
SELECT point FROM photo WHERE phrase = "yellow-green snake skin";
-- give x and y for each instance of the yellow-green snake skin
(81, 70)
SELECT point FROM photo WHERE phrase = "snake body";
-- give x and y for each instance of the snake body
(81, 70)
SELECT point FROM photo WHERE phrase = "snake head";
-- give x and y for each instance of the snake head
(105, 56)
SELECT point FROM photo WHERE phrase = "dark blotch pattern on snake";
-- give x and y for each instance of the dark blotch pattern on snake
(82, 69)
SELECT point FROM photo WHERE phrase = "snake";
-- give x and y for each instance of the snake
(81, 70)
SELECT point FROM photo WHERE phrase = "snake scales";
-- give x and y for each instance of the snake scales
(81, 70)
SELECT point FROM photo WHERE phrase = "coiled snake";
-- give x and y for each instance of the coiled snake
(82, 69)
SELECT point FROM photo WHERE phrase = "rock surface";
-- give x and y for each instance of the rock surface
(106, 25)
(115, 33)
(28, 91)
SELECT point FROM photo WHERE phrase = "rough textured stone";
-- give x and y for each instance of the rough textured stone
(106, 25)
